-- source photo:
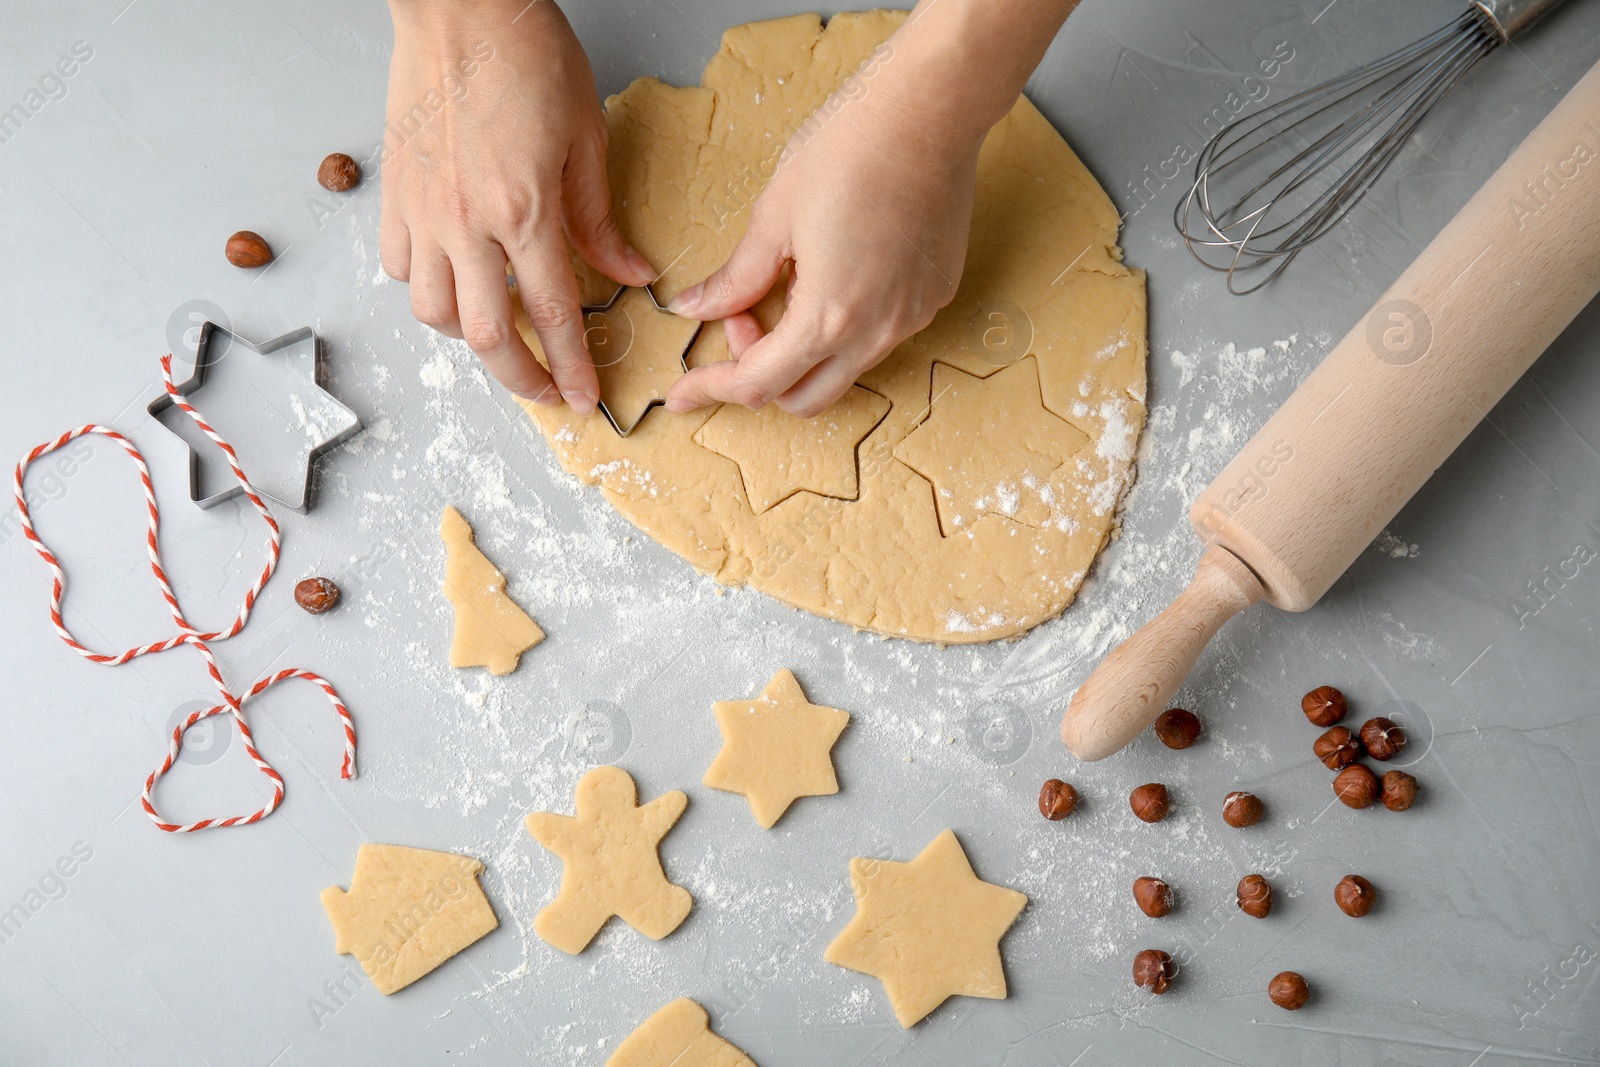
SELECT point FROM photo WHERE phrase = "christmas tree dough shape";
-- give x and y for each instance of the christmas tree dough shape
(850, 527)
(679, 1035)
(776, 748)
(929, 929)
(610, 865)
(491, 630)
(407, 911)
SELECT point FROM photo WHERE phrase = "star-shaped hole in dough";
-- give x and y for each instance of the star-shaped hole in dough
(776, 748)
(610, 865)
(638, 348)
(780, 455)
(929, 929)
(989, 446)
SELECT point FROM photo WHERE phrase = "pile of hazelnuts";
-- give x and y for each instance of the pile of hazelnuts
(1356, 785)
(1338, 748)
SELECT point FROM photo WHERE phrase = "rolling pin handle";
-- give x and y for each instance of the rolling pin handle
(1133, 685)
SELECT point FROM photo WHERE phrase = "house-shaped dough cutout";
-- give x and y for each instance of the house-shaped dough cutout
(679, 1035)
(407, 911)
(491, 630)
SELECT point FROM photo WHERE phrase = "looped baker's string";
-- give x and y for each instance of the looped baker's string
(187, 634)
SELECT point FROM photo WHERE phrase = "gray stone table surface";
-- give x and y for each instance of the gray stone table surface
(1473, 620)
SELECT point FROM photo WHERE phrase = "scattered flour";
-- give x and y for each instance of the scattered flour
(964, 732)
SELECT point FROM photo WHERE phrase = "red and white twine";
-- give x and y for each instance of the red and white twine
(187, 634)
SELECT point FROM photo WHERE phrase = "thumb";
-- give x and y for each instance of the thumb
(590, 225)
(770, 365)
(746, 277)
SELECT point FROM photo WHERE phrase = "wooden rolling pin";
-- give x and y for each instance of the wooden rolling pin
(1377, 418)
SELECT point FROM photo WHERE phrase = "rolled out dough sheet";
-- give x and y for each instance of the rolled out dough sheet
(961, 491)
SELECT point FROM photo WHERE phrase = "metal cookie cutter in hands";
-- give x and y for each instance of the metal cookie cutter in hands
(624, 428)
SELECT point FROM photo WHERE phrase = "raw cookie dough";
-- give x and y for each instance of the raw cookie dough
(679, 1035)
(491, 630)
(408, 910)
(844, 518)
(609, 862)
(970, 480)
(929, 929)
(779, 455)
(775, 748)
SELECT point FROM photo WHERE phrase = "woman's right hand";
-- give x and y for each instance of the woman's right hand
(495, 153)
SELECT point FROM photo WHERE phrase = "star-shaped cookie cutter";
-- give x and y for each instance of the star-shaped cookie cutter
(683, 357)
(320, 438)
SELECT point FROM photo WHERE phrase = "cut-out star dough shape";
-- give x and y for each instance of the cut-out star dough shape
(775, 748)
(929, 929)
(408, 910)
(989, 446)
(679, 1035)
(638, 348)
(780, 455)
(610, 865)
(491, 630)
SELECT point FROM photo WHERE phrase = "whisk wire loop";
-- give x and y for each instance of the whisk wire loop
(1322, 150)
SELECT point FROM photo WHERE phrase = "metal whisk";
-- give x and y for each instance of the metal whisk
(1324, 147)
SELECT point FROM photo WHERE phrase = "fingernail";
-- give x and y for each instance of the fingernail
(581, 402)
(685, 302)
(641, 266)
(680, 407)
(547, 397)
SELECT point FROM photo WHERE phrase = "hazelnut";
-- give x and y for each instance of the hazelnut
(1354, 895)
(246, 249)
(1153, 896)
(1149, 802)
(1288, 991)
(316, 595)
(338, 173)
(1324, 705)
(1383, 738)
(1154, 970)
(1399, 790)
(1356, 786)
(1057, 799)
(1338, 748)
(1241, 809)
(1178, 728)
(1255, 896)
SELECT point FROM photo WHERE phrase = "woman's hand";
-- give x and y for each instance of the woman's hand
(495, 152)
(871, 206)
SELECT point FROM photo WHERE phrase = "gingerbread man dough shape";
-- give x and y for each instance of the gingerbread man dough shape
(609, 862)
